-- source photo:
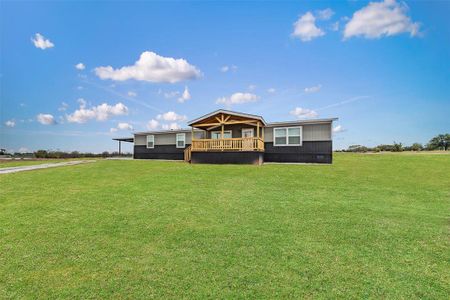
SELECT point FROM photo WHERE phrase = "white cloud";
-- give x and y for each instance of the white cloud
(313, 89)
(335, 26)
(303, 113)
(251, 87)
(152, 124)
(171, 94)
(79, 87)
(63, 106)
(185, 96)
(305, 28)
(132, 94)
(82, 102)
(171, 126)
(338, 129)
(225, 69)
(45, 119)
(271, 90)
(41, 42)
(153, 68)
(325, 14)
(10, 123)
(80, 66)
(379, 19)
(237, 98)
(101, 112)
(122, 126)
(171, 116)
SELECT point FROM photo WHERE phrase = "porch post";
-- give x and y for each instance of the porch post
(257, 130)
(120, 144)
(222, 132)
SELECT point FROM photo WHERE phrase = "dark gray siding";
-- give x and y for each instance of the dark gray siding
(237, 157)
(309, 152)
(159, 152)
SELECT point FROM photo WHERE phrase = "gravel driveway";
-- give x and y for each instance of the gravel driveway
(43, 166)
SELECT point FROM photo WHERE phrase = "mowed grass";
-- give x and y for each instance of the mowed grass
(368, 226)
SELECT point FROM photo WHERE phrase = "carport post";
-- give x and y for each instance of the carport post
(119, 146)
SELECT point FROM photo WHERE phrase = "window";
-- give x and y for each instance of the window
(216, 134)
(287, 136)
(150, 141)
(294, 136)
(279, 136)
(247, 132)
(181, 140)
(199, 135)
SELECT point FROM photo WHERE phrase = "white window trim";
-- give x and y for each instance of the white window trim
(152, 138)
(219, 131)
(287, 136)
(247, 129)
(184, 140)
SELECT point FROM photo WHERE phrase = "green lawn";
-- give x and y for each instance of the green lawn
(368, 226)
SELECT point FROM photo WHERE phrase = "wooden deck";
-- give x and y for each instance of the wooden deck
(230, 144)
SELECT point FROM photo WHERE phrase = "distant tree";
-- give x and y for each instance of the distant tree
(439, 142)
(3, 151)
(385, 147)
(397, 147)
(357, 148)
(41, 154)
(74, 154)
(416, 147)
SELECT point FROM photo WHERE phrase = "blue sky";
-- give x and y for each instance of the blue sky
(70, 81)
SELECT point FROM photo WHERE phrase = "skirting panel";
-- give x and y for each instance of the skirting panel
(159, 152)
(309, 152)
(238, 157)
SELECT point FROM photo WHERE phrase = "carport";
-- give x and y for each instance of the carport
(120, 140)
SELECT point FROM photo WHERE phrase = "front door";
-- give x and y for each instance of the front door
(247, 139)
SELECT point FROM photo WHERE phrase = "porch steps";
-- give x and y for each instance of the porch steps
(187, 153)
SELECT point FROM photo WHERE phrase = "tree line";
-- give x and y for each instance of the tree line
(63, 154)
(439, 142)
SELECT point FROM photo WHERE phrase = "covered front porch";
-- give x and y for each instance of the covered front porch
(224, 131)
(228, 131)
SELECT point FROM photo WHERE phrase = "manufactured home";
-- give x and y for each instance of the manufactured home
(229, 137)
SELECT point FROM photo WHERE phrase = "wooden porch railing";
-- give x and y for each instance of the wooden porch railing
(232, 144)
